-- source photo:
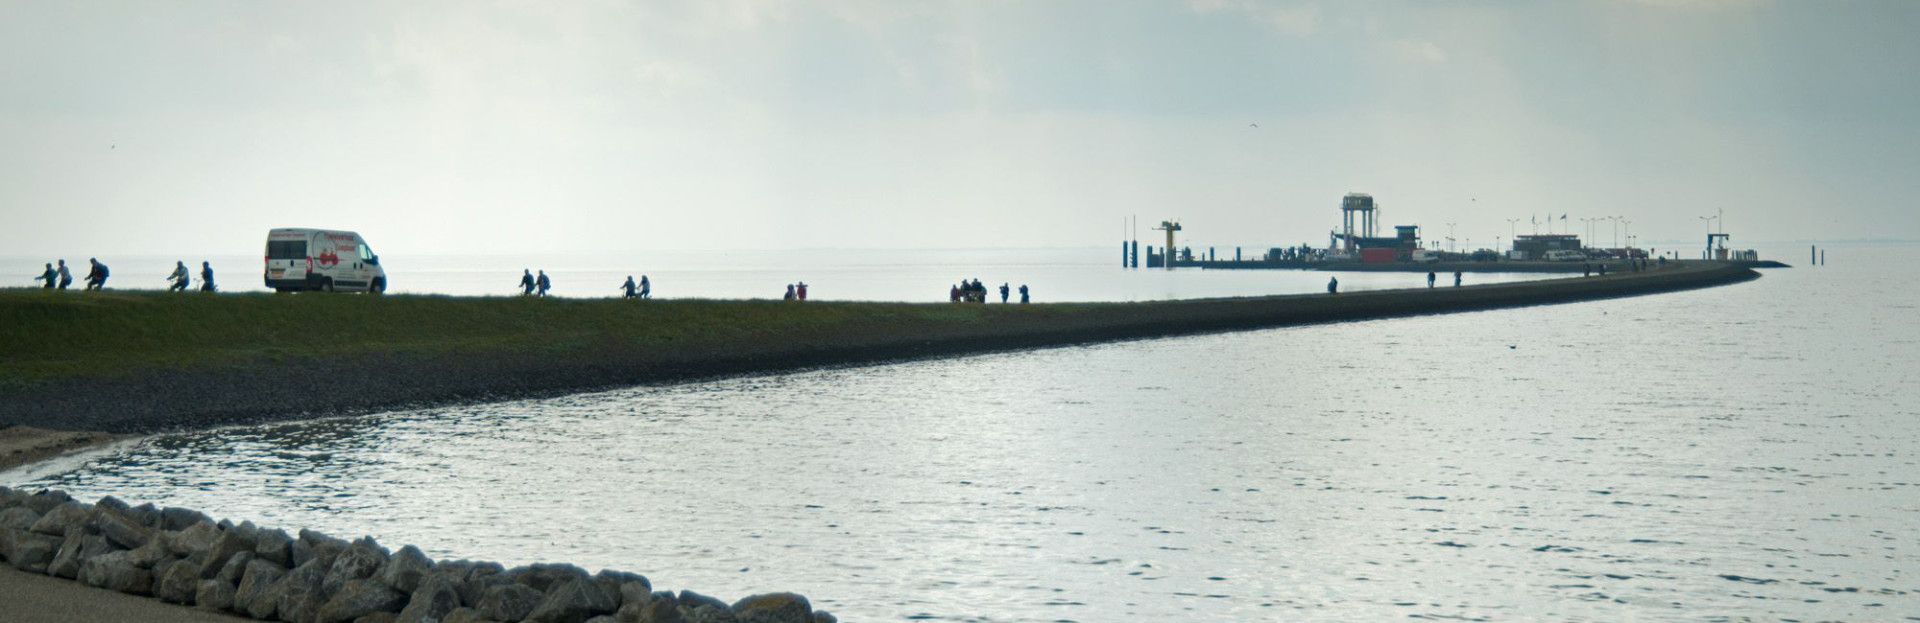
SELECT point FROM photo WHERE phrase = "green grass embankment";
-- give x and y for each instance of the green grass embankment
(132, 362)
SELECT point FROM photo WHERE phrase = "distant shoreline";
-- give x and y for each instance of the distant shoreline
(139, 363)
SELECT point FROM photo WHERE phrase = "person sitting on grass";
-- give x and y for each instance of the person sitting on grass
(1333, 285)
(1023, 294)
(789, 295)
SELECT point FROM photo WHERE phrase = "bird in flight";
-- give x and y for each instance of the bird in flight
(1253, 125)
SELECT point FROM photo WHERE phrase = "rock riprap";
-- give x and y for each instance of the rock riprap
(185, 557)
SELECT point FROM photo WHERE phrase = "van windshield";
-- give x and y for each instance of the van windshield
(286, 249)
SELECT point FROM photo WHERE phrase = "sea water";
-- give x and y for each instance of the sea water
(1746, 451)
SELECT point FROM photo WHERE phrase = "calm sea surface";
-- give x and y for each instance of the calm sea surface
(1750, 451)
(1053, 275)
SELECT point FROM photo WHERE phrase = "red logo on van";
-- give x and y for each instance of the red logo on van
(327, 259)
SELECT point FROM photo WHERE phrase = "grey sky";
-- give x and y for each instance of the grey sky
(467, 127)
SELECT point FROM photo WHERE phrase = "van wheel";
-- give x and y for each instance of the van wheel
(326, 285)
(379, 286)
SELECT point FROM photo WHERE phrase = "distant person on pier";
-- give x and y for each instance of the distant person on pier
(206, 277)
(790, 293)
(66, 278)
(179, 277)
(1603, 270)
(1023, 294)
(1429, 279)
(1333, 285)
(953, 294)
(97, 276)
(526, 282)
(1003, 293)
(542, 284)
(633, 289)
(800, 291)
(646, 288)
(1456, 279)
(1586, 270)
(50, 276)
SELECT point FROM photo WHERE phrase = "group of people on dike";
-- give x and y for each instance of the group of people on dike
(57, 276)
(976, 292)
(539, 285)
(796, 292)
(1431, 278)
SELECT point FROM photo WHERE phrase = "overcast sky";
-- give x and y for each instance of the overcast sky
(505, 127)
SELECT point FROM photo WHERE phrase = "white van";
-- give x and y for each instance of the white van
(323, 260)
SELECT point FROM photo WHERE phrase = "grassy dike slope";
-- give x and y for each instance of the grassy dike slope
(139, 362)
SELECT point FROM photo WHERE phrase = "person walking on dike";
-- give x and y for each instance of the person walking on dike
(1003, 293)
(633, 290)
(96, 276)
(1023, 294)
(1333, 285)
(66, 277)
(50, 276)
(646, 288)
(542, 284)
(801, 292)
(179, 277)
(1586, 270)
(526, 282)
(789, 295)
(206, 277)
(1429, 279)
(953, 294)
(1456, 279)
(1603, 270)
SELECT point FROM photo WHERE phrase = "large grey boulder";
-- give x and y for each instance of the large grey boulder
(18, 518)
(177, 519)
(275, 546)
(195, 539)
(77, 548)
(405, 569)
(116, 572)
(28, 551)
(510, 601)
(235, 568)
(482, 577)
(214, 595)
(574, 601)
(359, 598)
(661, 607)
(698, 608)
(177, 582)
(149, 555)
(296, 596)
(146, 515)
(773, 608)
(544, 576)
(260, 576)
(432, 602)
(224, 548)
(59, 519)
(314, 545)
(122, 530)
(822, 616)
(360, 561)
(45, 501)
(465, 615)
(620, 585)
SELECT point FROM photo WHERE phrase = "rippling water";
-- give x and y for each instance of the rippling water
(1745, 451)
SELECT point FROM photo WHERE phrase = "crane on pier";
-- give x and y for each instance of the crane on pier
(1169, 227)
